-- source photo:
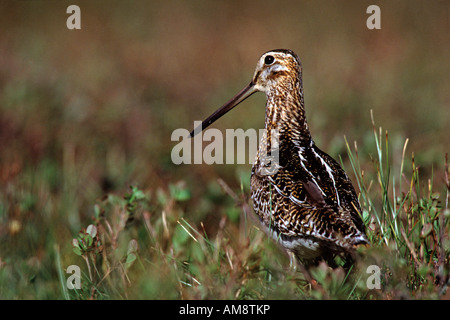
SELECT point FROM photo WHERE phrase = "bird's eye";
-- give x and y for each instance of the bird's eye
(269, 60)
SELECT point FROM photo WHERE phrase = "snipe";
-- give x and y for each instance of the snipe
(308, 203)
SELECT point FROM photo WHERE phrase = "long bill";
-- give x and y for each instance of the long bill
(233, 102)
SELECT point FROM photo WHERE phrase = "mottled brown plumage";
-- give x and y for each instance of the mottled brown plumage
(304, 199)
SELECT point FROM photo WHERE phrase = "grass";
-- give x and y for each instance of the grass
(145, 246)
(409, 228)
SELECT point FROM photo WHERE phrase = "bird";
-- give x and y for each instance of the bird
(302, 197)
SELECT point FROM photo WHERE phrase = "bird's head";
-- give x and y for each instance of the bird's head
(277, 71)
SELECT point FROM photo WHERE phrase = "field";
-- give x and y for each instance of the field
(87, 179)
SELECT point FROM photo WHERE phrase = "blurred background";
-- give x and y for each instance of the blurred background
(88, 112)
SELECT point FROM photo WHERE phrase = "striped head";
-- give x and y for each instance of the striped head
(277, 74)
(277, 69)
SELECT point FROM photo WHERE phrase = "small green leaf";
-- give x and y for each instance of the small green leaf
(130, 259)
(88, 240)
(82, 244)
(77, 251)
(179, 193)
(132, 247)
(75, 243)
(138, 194)
(91, 230)
(131, 253)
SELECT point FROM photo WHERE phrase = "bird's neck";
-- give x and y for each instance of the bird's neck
(285, 113)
